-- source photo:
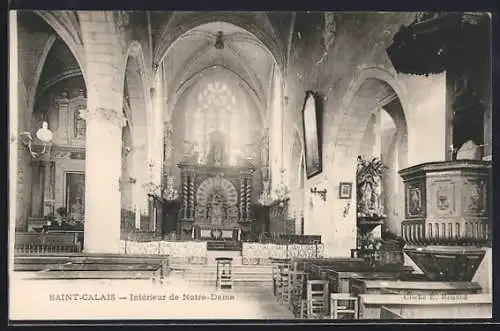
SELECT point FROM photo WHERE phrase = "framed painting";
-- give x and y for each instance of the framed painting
(312, 136)
(75, 195)
(345, 190)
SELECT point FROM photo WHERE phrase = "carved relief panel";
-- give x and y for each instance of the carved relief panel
(475, 197)
(415, 204)
(76, 123)
(70, 125)
(443, 197)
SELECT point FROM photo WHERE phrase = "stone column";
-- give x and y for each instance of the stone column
(102, 169)
(48, 194)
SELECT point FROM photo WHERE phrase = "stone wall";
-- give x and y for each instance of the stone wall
(337, 71)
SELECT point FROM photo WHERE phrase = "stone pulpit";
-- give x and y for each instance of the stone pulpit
(447, 217)
(216, 194)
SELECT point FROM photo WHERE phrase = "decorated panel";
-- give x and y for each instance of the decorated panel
(415, 203)
(216, 202)
(475, 197)
(443, 197)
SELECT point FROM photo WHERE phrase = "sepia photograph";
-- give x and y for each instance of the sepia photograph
(240, 165)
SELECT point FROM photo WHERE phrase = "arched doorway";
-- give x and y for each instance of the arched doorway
(137, 211)
(375, 126)
(50, 88)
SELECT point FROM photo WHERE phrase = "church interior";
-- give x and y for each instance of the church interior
(299, 165)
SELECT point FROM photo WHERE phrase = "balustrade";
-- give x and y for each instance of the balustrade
(445, 232)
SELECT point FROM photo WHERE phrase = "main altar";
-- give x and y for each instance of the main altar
(215, 194)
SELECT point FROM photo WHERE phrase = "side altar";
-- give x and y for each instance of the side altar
(215, 195)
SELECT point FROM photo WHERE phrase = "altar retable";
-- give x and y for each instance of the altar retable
(216, 195)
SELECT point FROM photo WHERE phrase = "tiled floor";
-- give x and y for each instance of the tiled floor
(139, 299)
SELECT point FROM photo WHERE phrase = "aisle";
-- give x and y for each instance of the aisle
(139, 299)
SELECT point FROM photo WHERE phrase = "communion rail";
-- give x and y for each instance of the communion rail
(49, 242)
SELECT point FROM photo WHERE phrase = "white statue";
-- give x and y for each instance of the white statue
(377, 197)
(216, 209)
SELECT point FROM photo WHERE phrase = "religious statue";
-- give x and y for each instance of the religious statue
(79, 125)
(378, 206)
(216, 210)
(76, 210)
(218, 154)
(265, 148)
(217, 149)
(415, 201)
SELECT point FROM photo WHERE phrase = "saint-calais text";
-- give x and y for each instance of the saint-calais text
(83, 297)
(140, 297)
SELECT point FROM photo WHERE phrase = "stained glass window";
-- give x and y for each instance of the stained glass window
(217, 110)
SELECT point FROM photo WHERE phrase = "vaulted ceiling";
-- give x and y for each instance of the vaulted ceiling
(185, 41)
(60, 64)
(223, 46)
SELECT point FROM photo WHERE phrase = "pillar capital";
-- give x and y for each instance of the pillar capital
(105, 114)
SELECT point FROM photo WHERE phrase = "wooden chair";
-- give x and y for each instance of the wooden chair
(283, 283)
(296, 287)
(224, 278)
(317, 299)
(343, 306)
(277, 265)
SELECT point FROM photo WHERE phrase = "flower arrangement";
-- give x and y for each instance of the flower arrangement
(369, 247)
(152, 189)
(170, 193)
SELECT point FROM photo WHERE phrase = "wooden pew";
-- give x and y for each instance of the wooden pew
(108, 267)
(317, 302)
(81, 265)
(304, 264)
(365, 286)
(340, 277)
(426, 306)
(338, 273)
(319, 270)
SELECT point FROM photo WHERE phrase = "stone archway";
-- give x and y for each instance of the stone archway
(374, 90)
(41, 91)
(137, 109)
(69, 34)
(296, 181)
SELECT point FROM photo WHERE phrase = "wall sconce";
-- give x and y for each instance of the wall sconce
(43, 134)
(322, 193)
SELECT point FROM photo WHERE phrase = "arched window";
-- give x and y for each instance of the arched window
(216, 109)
